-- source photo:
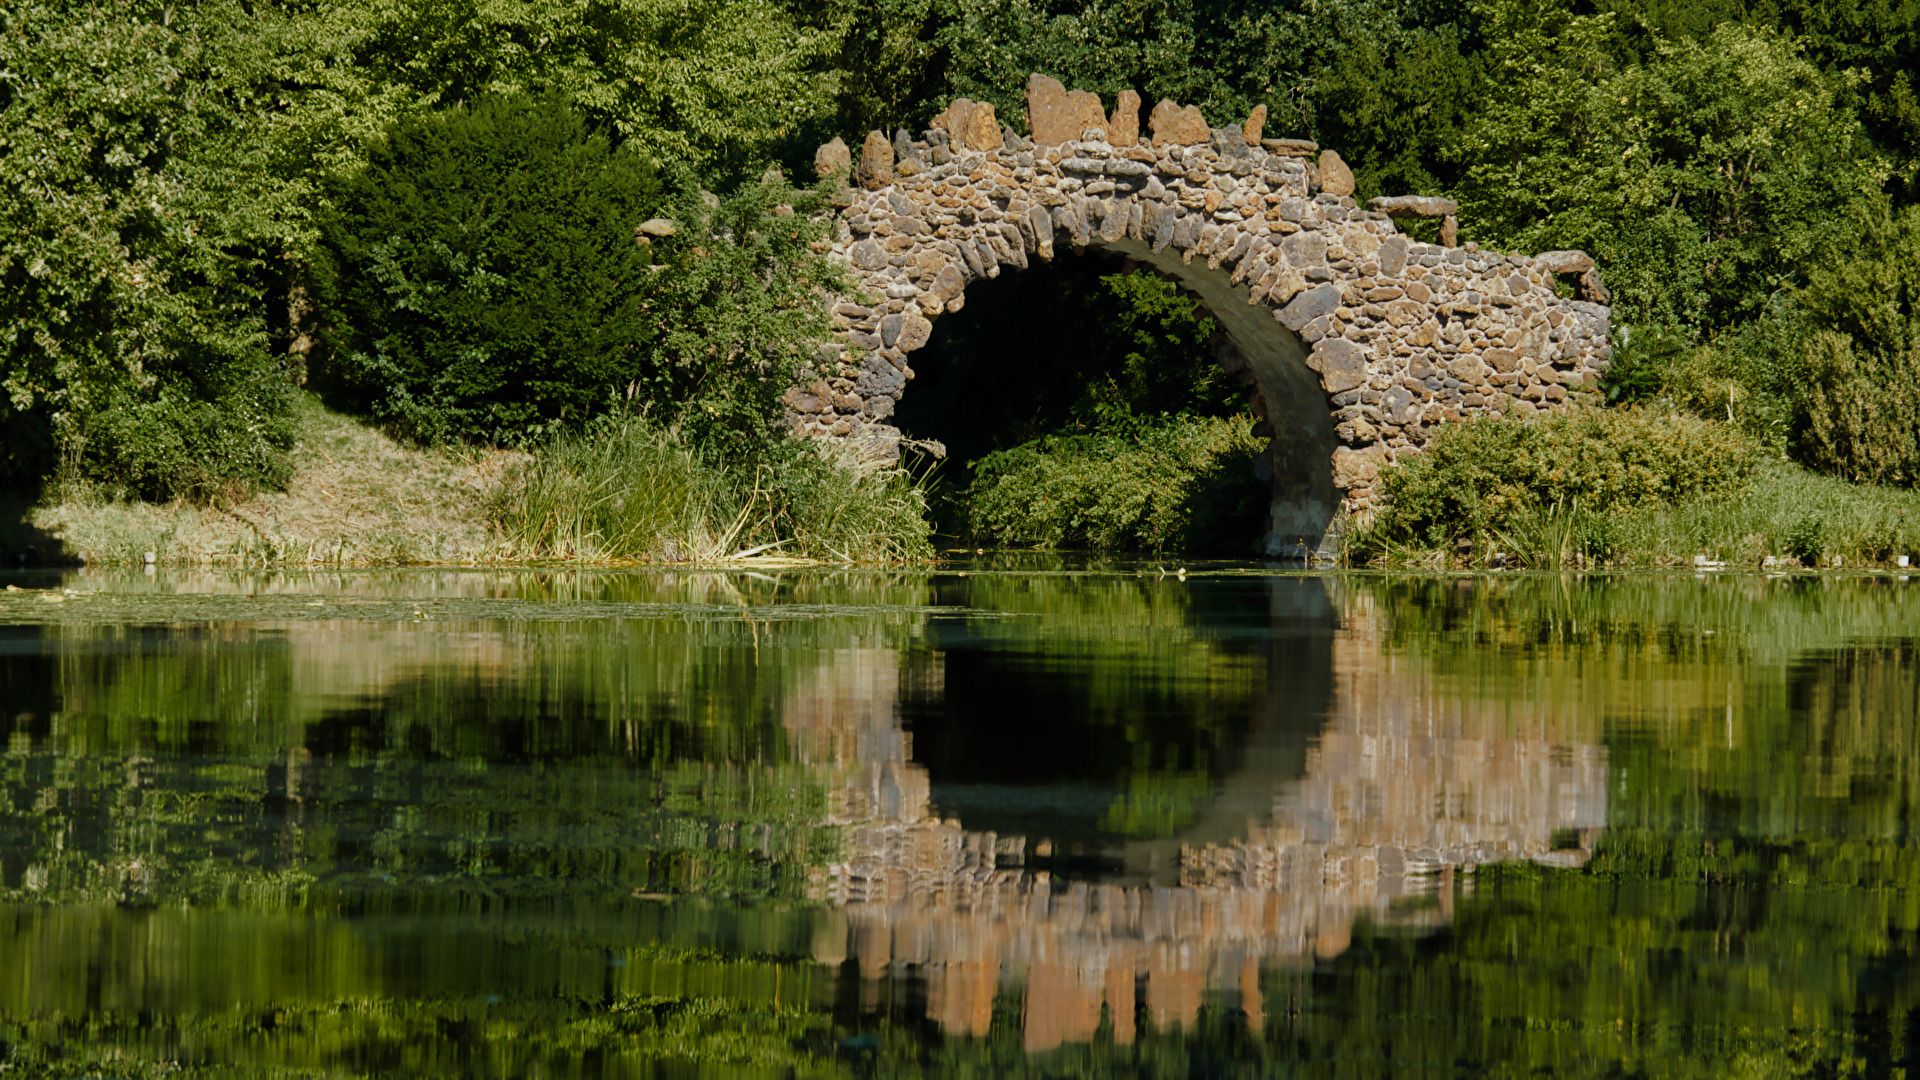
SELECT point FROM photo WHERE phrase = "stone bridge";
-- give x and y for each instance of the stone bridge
(1355, 339)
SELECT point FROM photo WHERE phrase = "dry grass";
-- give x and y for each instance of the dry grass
(357, 498)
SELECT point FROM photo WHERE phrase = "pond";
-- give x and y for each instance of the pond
(1008, 817)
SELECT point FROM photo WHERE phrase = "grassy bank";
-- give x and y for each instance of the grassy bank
(623, 491)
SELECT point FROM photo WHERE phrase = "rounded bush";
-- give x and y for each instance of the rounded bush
(481, 277)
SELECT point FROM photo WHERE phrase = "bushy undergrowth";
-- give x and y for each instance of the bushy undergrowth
(1176, 483)
(629, 488)
(1494, 481)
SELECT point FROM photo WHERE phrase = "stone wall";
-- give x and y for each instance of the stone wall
(1355, 340)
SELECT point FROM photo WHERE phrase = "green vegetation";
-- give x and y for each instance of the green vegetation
(1104, 424)
(1182, 484)
(480, 279)
(1624, 487)
(626, 488)
(137, 212)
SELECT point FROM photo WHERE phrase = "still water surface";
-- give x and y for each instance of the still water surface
(1001, 821)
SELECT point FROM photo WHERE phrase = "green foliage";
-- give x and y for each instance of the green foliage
(135, 213)
(480, 277)
(715, 85)
(1487, 476)
(483, 279)
(1170, 483)
(1703, 178)
(626, 488)
(1863, 372)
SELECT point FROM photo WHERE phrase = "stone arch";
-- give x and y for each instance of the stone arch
(1357, 338)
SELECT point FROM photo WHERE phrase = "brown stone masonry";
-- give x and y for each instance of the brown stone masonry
(1359, 339)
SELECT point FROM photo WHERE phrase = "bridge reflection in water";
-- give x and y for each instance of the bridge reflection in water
(1367, 789)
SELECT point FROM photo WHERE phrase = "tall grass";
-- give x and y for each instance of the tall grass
(629, 489)
(1784, 511)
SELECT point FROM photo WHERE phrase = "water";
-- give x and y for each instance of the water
(998, 819)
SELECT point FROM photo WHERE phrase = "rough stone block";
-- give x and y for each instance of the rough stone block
(1342, 364)
(1335, 177)
(876, 163)
(832, 159)
(1174, 126)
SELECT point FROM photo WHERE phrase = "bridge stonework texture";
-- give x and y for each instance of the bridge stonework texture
(1356, 339)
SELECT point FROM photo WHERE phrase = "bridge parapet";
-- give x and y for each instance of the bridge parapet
(1357, 339)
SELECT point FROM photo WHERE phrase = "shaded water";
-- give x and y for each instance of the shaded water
(1000, 821)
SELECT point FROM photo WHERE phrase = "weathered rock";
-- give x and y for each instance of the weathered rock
(1292, 148)
(1255, 121)
(1123, 127)
(914, 333)
(868, 255)
(1401, 207)
(1308, 306)
(1174, 126)
(1056, 116)
(1591, 290)
(876, 163)
(1564, 262)
(1342, 364)
(1393, 256)
(1355, 468)
(1335, 177)
(832, 159)
(947, 283)
(1450, 231)
(982, 129)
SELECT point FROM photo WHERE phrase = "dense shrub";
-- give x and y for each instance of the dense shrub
(1862, 385)
(480, 276)
(1492, 475)
(1172, 483)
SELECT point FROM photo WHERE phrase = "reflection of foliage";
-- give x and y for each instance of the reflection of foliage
(1158, 804)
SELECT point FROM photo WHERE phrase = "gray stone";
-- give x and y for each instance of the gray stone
(868, 255)
(1309, 305)
(655, 227)
(1342, 364)
(890, 330)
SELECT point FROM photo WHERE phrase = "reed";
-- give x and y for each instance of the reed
(629, 489)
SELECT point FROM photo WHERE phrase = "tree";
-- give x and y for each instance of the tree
(135, 212)
(481, 276)
(1863, 379)
(1703, 179)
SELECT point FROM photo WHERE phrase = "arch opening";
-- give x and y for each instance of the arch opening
(1090, 350)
